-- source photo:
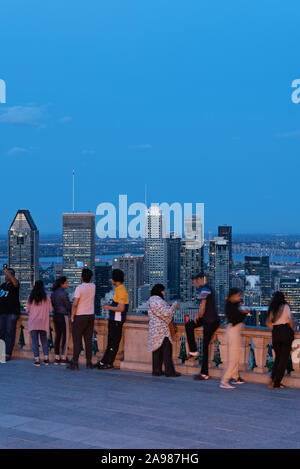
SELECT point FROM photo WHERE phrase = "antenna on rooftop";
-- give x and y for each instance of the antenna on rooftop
(73, 190)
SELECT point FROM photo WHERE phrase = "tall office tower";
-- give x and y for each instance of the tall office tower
(260, 266)
(156, 255)
(193, 230)
(219, 270)
(252, 291)
(291, 289)
(191, 263)
(191, 256)
(143, 293)
(133, 268)
(173, 247)
(78, 245)
(225, 232)
(102, 282)
(23, 252)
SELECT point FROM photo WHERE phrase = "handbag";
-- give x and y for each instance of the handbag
(172, 326)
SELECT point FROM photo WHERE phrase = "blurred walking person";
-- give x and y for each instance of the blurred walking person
(280, 321)
(159, 335)
(61, 317)
(235, 315)
(39, 307)
(82, 319)
(207, 317)
(9, 310)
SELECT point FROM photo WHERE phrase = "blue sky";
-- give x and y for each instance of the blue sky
(191, 98)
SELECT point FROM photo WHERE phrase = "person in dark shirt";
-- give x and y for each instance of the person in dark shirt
(235, 315)
(61, 317)
(206, 317)
(9, 310)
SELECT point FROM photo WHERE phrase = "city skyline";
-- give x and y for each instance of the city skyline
(212, 119)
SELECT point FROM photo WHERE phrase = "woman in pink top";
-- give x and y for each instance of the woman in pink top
(38, 307)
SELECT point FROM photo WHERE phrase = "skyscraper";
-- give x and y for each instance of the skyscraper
(260, 266)
(219, 270)
(191, 263)
(156, 255)
(225, 231)
(133, 268)
(23, 252)
(102, 281)
(173, 247)
(291, 289)
(191, 256)
(78, 245)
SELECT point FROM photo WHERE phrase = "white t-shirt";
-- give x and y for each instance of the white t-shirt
(86, 294)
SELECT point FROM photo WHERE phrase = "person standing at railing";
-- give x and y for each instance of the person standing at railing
(61, 317)
(9, 310)
(118, 309)
(39, 307)
(206, 317)
(280, 321)
(159, 335)
(82, 319)
(235, 315)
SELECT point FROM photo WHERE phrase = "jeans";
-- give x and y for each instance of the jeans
(113, 341)
(8, 324)
(83, 326)
(61, 325)
(35, 343)
(209, 329)
(282, 338)
(163, 355)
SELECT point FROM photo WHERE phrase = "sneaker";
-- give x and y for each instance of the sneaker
(57, 361)
(194, 354)
(201, 377)
(72, 367)
(46, 361)
(226, 385)
(237, 381)
(104, 366)
(37, 363)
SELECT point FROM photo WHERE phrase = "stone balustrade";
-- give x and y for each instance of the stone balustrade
(255, 355)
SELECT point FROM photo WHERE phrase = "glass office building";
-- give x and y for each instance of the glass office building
(260, 266)
(23, 252)
(219, 271)
(78, 246)
(156, 254)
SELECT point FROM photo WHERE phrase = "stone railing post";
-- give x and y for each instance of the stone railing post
(295, 354)
(244, 352)
(222, 337)
(260, 350)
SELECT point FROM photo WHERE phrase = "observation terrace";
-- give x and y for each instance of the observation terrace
(51, 407)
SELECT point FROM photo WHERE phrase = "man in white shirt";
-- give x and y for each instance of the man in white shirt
(82, 319)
